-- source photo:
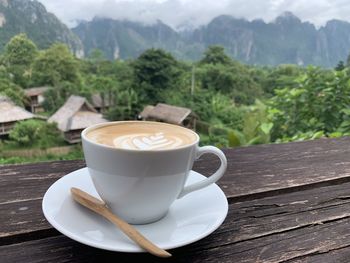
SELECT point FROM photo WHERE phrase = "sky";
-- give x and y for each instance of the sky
(196, 12)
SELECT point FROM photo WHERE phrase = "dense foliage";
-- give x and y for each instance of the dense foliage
(35, 133)
(19, 54)
(236, 104)
(155, 71)
(319, 104)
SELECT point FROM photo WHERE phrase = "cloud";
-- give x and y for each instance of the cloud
(196, 12)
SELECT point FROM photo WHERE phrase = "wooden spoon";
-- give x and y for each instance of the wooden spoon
(99, 207)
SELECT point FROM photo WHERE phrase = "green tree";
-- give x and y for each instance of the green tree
(25, 133)
(282, 76)
(12, 91)
(234, 80)
(256, 129)
(155, 70)
(55, 97)
(215, 55)
(123, 71)
(316, 104)
(94, 63)
(19, 55)
(35, 132)
(126, 106)
(96, 55)
(340, 66)
(55, 65)
(106, 87)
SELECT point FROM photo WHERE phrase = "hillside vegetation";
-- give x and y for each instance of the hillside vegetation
(236, 104)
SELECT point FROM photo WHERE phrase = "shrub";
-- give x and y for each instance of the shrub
(36, 133)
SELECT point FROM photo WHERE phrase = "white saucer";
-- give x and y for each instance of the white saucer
(189, 219)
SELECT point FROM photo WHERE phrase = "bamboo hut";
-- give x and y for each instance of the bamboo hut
(74, 116)
(101, 103)
(10, 114)
(170, 114)
(36, 98)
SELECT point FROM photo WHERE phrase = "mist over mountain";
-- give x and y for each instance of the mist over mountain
(31, 17)
(285, 40)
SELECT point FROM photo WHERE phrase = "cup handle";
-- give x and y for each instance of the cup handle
(211, 179)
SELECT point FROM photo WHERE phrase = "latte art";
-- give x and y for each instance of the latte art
(142, 136)
(147, 141)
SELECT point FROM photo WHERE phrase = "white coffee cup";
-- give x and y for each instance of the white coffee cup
(139, 185)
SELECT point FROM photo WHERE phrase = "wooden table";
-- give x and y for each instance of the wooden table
(287, 203)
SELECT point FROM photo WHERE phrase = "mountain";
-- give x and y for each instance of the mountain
(333, 42)
(31, 17)
(285, 40)
(125, 39)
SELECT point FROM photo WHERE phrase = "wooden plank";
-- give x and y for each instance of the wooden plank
(311, 222)
(61, 249)
(271, 229)
(23, 221)
(270, 167)
(254, 169)
(30, 181)
(336, 256)
(286, 246)
(276, 214)
(316, 240)
(248, 219)
(22, 186)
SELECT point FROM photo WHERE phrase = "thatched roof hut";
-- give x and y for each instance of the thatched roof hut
(101, 103)
(74, 116)
(36, 98)
(10, 114)
(170, 114)
(36, 91)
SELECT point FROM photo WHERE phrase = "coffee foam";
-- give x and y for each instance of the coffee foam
(142, 136)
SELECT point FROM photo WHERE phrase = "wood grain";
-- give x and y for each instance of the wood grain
(270, 167)
(30, 181)
(272, 229)
(287, 203)
(341, 255)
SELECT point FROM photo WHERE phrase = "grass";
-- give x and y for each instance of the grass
(74, 155)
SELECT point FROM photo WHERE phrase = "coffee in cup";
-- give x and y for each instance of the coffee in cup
(140, 168)
(141, 136)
